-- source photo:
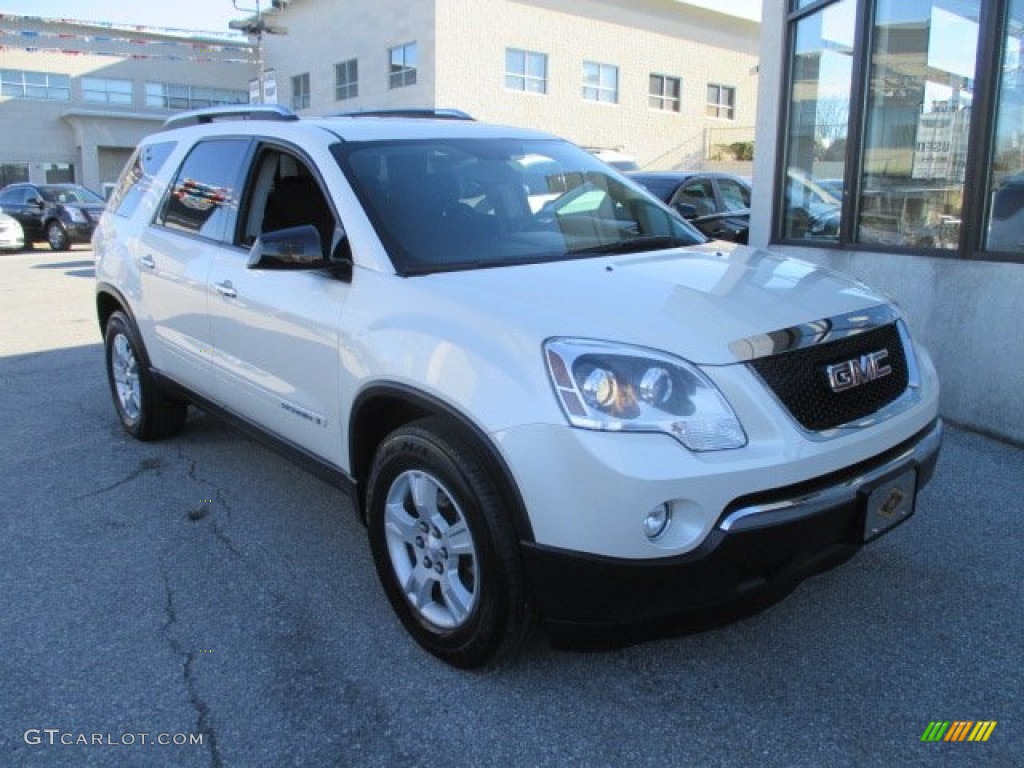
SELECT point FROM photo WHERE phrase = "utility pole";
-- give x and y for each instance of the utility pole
(255, 27)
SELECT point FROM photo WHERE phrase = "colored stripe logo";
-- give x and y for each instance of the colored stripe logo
(959, 730)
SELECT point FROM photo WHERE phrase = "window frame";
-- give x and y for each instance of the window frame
(102, 86)
(55, 82)
(300, 91)
(718, 105)
(346, 87)
(662, 96)
(406, 75)
(600, 88)
(992, 22)
(524, 75)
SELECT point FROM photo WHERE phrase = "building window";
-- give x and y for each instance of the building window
(178, 96)
(346, 80)
(600, 82)
(526, 71)
(664, 93)
(402, 67)
(819, 114)
(12, 172)
(721, 101)
(19, 84)
(883, 162)
(59, 173)
(300, 91)
(101, 90)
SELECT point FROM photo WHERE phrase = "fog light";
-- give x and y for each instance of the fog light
(657, 521)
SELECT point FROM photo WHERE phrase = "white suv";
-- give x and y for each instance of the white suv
(548, 398)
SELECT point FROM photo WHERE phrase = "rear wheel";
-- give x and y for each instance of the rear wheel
(57, 236)
(444, 546)
(145, 412)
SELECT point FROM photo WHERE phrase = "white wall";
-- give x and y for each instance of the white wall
(462, 64)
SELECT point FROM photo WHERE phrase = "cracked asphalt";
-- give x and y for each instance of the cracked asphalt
(204, 588)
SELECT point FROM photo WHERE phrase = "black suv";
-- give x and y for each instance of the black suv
(60, 214)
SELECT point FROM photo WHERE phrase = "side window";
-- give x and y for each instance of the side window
(137, 177)
(283, 193)
(699, 194)
(735, 196)
(202, 196)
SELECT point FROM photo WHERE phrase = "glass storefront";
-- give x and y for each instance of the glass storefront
(920, 92)
(882, 146)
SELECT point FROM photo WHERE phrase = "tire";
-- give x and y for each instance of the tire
(145, 412)
(444, 546)
(57, 236)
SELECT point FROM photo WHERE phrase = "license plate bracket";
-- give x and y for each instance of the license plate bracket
(888, 502)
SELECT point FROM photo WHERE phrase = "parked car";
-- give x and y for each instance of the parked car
(718, 204)
(1006, 226)
(60, 214)
(11, 236)
(573, 409)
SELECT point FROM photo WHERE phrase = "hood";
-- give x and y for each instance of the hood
(691, 302)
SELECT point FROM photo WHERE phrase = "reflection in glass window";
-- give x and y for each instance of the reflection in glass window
(526, 71)
(202, 195)
(402, 68)
(346, 80)
(818, 117)
(721, 101)
(104, 90)
(1005, 218)
(664, 93)
(300, 91)
(600, 82)
(920, 92)
(19, 84)
(137, 177)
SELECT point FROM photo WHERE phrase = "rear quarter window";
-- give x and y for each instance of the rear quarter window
(137, 177)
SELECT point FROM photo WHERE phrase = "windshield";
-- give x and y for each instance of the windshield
(69, 195)
(469, 203)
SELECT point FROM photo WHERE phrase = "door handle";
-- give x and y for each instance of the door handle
(147, 262)
(226, 289)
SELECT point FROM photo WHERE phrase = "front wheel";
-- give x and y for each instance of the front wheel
(57, 236)
(444, 547)
(145, 412)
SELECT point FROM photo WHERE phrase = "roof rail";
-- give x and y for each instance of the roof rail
(230, 112)
(437, 114)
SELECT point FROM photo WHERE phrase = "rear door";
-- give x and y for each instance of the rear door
(175, 253)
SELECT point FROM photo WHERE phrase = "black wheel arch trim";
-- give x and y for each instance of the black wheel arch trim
(106, 289)
(419, 404)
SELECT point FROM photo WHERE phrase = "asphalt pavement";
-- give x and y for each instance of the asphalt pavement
(203, 602)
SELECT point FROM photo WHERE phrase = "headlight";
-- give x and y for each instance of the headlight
(76, 215)
(614, 387)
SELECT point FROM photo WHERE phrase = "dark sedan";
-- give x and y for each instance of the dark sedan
(60, 214)
(718, 204)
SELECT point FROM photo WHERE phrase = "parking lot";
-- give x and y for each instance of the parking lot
(203, 602)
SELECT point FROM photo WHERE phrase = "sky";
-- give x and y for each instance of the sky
(213, 15)
(197, 15)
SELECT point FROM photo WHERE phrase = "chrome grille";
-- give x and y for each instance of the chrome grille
(800, 380)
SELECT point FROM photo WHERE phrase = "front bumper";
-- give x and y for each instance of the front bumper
(761, 545)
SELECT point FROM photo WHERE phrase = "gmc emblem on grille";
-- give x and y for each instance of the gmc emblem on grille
(860, 370)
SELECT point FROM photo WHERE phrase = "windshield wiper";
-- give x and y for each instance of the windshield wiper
(633, 245)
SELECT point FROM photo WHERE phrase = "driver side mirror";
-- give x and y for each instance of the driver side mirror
(292, 248)
(38, 202)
